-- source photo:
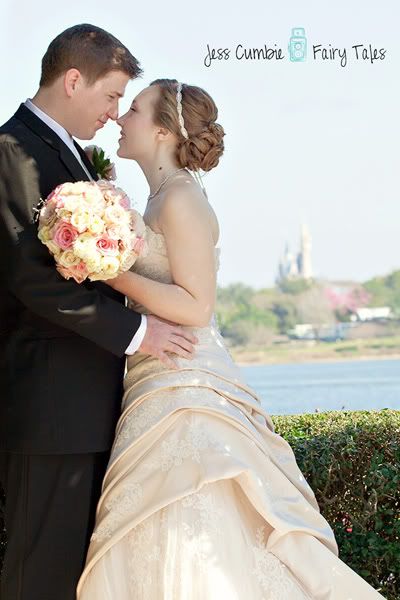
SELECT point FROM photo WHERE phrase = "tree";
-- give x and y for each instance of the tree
(313, 307)
(295, 286)
(285, 311)
(385, 291)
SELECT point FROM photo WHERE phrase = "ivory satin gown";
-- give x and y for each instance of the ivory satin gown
(202, 500)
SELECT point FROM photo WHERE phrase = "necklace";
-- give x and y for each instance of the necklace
(163, 182)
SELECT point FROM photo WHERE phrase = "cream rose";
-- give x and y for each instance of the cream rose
(45, 234)
(64, 214)
(68, 258)
(109, 265)
(54, 248)
(93, 263)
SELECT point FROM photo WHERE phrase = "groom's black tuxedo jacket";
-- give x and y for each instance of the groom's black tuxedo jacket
(61, 344)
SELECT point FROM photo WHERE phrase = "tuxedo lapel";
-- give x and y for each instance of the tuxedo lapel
(72, 164)
(50, 137)
(88, 164)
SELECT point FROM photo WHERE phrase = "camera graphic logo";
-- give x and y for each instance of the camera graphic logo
(297, 45)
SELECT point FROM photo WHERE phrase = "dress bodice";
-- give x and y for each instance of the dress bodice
(155, 265)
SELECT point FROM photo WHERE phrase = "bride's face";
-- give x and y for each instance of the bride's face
(138, 131)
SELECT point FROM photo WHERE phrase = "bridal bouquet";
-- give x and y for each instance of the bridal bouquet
(90, 230)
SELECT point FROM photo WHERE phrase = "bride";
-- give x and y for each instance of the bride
(201, 500)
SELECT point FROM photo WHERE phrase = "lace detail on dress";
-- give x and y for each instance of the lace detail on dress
(140, 416)
(157, 241)
(196, 516)
(209, 514)
(196, 540)
(138, 420)
(175, 450)
(274, 576)
(119, 507)
(139, 561)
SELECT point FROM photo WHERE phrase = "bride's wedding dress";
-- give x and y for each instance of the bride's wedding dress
(202, 500)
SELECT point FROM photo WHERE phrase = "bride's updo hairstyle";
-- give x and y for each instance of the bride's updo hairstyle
(204, 146)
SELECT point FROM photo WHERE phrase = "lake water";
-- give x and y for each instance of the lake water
(301, 388)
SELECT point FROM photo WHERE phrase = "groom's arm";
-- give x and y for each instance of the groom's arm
(30, 270)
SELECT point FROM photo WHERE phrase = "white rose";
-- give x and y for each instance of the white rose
(96, 224)
(93, 201)
(71, 203)
(80, 220)
(119, 232)
(88, 188)
(85, 246)
(66, 188)
(116, 215)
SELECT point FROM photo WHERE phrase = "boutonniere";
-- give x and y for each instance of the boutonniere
(103, 166)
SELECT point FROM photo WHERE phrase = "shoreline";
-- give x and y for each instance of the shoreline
(263, 361)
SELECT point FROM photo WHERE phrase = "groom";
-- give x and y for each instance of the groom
(62, 345)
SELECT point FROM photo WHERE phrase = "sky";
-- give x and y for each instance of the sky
(310, 142)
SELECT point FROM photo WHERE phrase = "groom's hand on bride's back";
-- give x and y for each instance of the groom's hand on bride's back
(163, 338)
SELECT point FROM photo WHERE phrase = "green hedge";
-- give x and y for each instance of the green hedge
(352, 462)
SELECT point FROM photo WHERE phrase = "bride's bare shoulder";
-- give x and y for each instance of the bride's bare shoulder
(184, 201)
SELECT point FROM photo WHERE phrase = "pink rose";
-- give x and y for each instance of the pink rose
(138, 245)
(54, 192)
(125, 202)
(54, 197)
(107, 246)
(65, 235)
(77, 272)
(64, 271)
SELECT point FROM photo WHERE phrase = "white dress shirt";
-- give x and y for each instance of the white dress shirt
(69, 141)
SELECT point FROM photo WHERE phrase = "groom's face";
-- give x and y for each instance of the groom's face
(93, 105)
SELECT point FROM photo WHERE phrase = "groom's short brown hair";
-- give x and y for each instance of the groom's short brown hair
(91, 50)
